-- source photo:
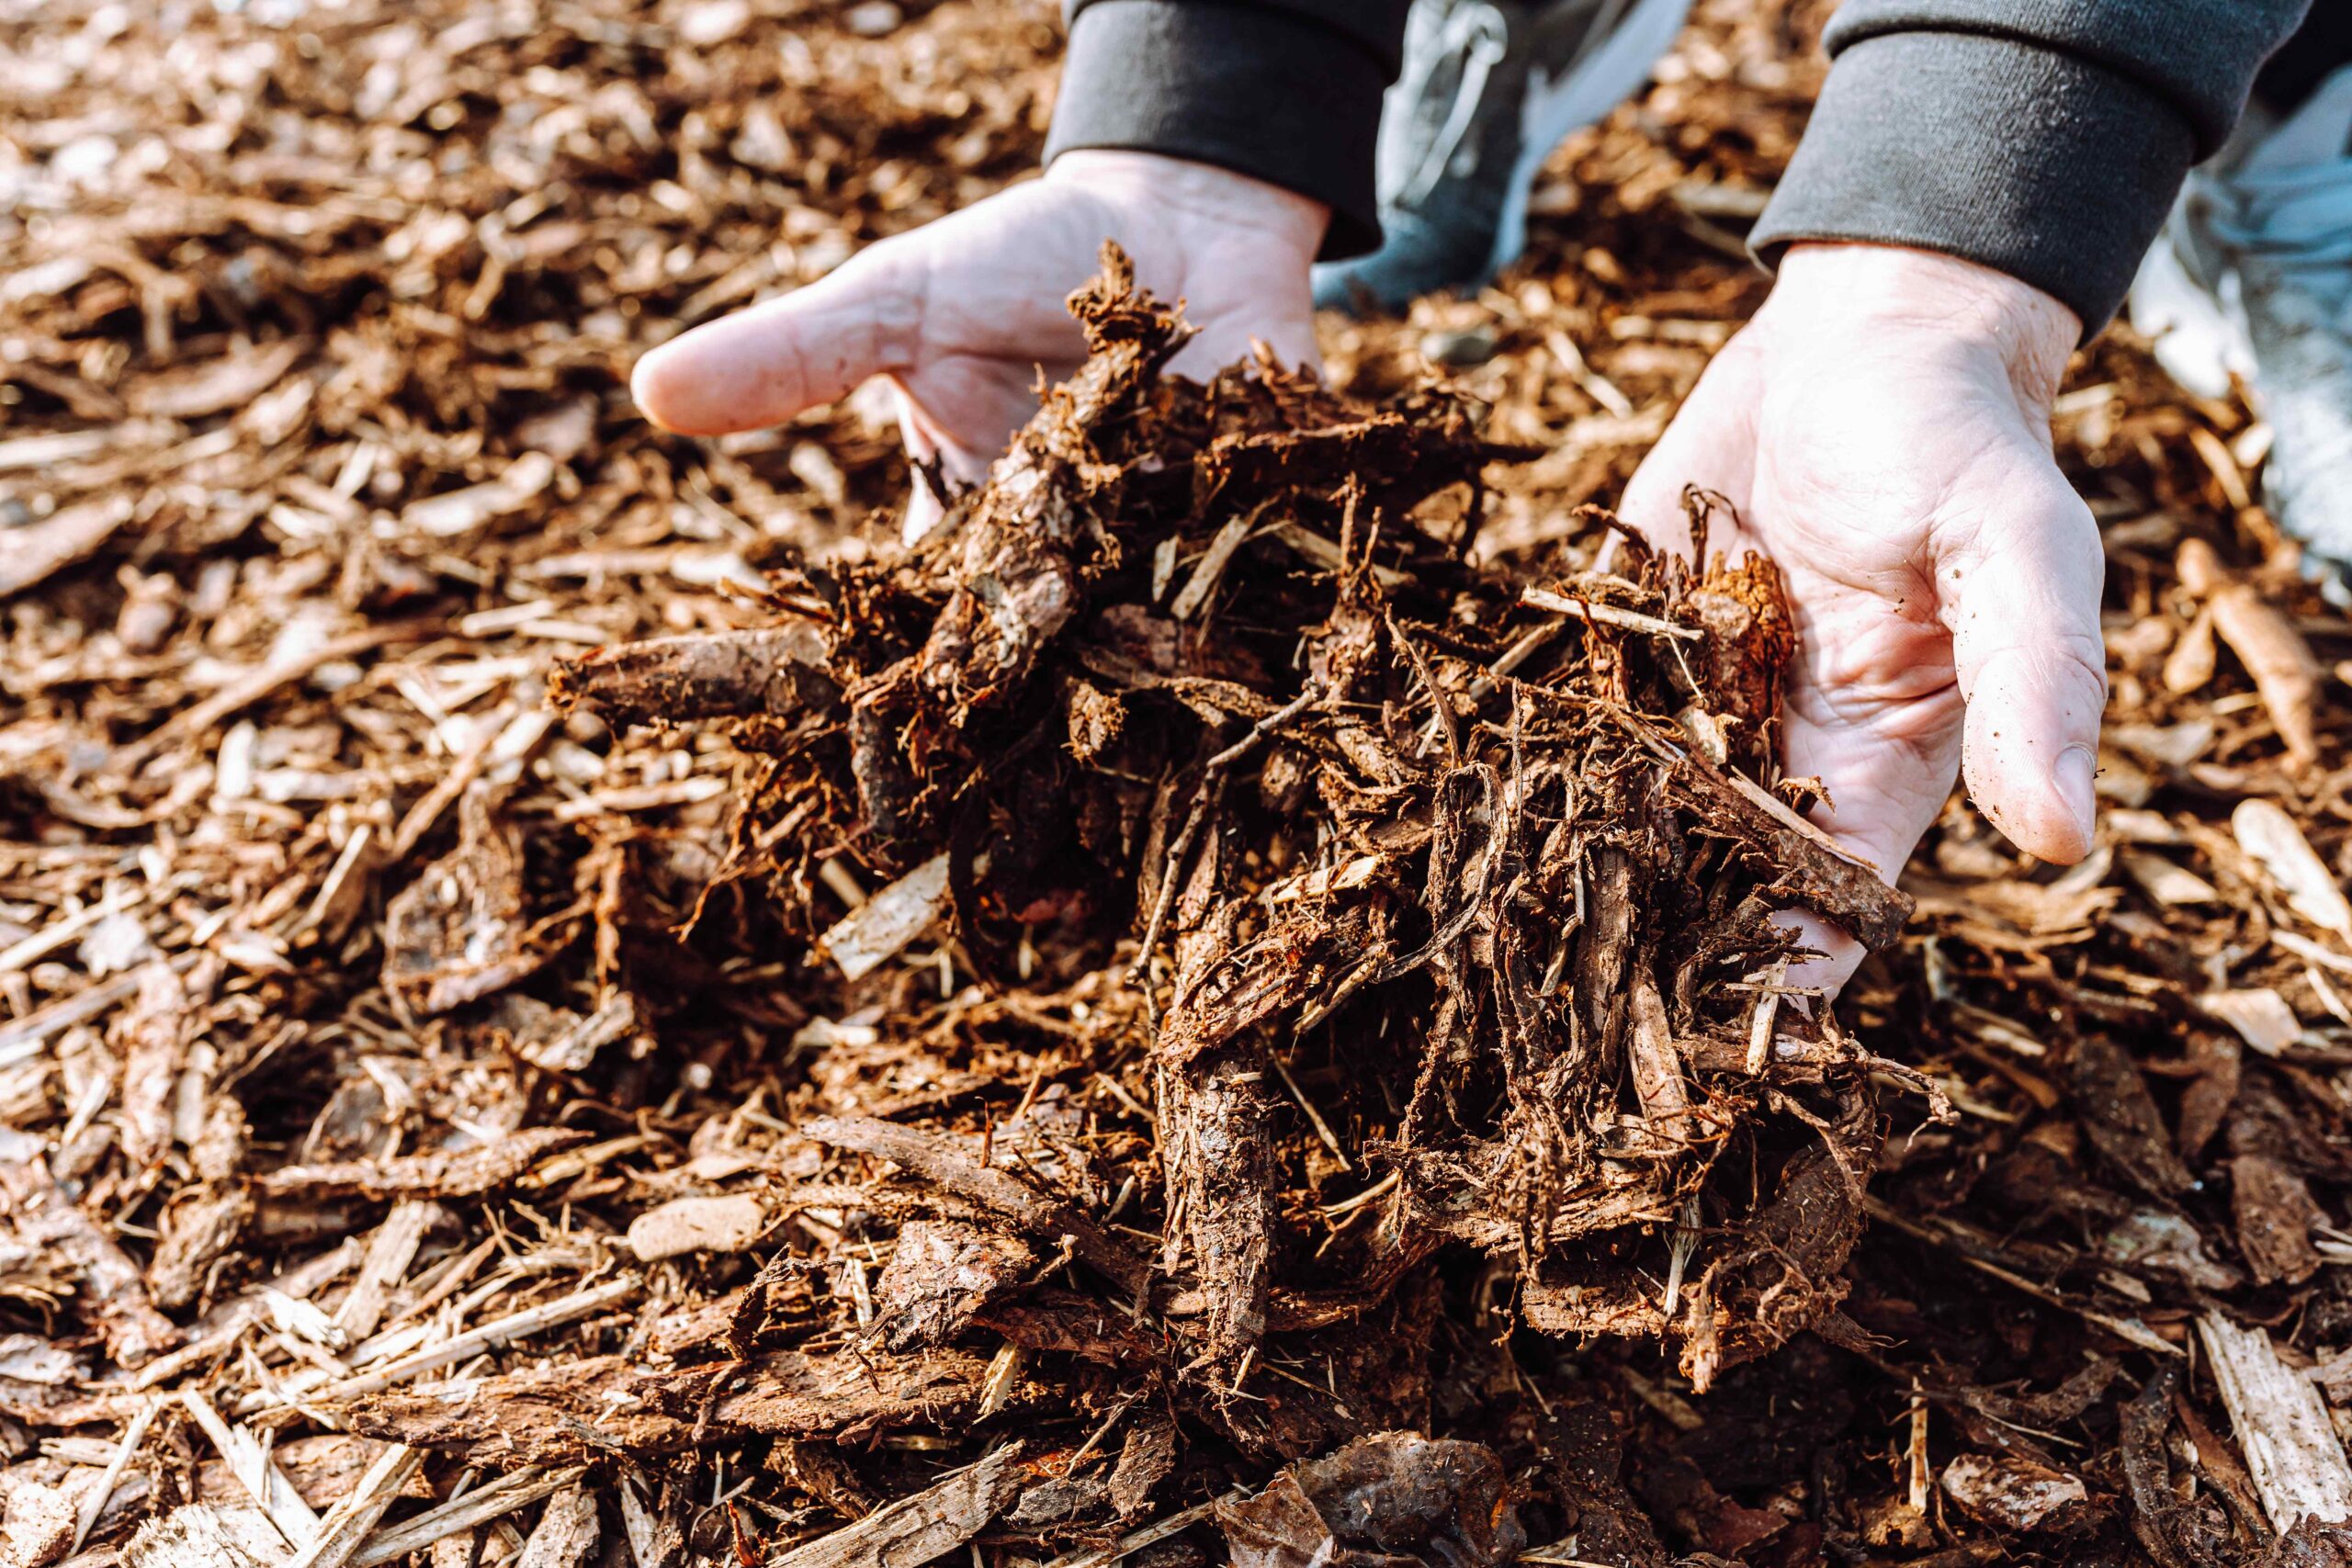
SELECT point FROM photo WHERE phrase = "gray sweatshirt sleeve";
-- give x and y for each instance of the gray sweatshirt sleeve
(2045, 138)
(1286, 91)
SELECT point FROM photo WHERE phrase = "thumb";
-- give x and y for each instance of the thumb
(2021, 600)
(762, 365)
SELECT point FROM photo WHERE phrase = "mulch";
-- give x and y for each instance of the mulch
(565, 1000)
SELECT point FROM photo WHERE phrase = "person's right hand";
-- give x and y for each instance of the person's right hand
(965, 314)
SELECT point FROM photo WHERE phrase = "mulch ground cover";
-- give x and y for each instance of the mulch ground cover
(565, 1000)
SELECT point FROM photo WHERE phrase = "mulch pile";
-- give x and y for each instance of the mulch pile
(565, 1000)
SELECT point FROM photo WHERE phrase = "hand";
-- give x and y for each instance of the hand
(1882, 426)
(965, 314)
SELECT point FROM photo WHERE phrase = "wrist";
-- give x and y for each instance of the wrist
(1197, 192)
(1871, 291)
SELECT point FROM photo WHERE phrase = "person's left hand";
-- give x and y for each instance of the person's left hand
(1882, 428)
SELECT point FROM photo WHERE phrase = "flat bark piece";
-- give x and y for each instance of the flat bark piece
(2273, 1208)
(391, 1250)
(1219, 1155)
(684, 1226)
(585, 1411)
(1392, 1497)
(943, 1162)
(1586, 1458)
(205, 1535)
(565, 1042)
(1291, 962)
(2121, 1118)
(459, 1173)
(568, 1532)
(1680, 1495)
(37, 1528)
(38, 1377)
(1808, 870)
(1060, 1502)
(2311, 1544)
(69, 533)
(202, 1225)
(457, 932)
(110, 1293)
(940, 1277)
(154, 1033)
(921, 1527)
(768, 672)
(2281, 1425)
(2007, 1493)
(1146, 1458)
(1657, 1065)
(1072, 1325)
(2265, 833)
(2261, 1017)
(882, 927)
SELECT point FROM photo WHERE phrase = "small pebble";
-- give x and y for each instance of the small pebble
(696, 1225)
(1459, 348)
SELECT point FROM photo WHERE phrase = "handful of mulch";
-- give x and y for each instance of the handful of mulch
(1447, 889)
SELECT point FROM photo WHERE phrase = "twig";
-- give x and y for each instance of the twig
(1211, 566)
(1372, 1194)
(1768, 1010)
(253, 1469)
(1443, 711)
(1607, 614)
(345, 1530)
(1315, 1118)
(20, 1039)
(256, 684)
(489, 1336)
(1212, 775)
(1158, 1531)
(2123, 1328)
(501, 1496)
(1095, 1438)
(94, 1502)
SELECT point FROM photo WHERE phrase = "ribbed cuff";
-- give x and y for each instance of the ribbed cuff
(2054, 170)
(1260, 92)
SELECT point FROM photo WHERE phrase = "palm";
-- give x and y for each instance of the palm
(1933, 553)
(966, 315)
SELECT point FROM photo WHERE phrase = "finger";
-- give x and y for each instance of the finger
(1885, 772)
(1837, 955)
(762, 365)
(2021, 601)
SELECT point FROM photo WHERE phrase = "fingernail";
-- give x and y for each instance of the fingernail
(2074, 774)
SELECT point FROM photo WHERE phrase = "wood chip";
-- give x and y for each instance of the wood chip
(884, 925)
(2281, 1425)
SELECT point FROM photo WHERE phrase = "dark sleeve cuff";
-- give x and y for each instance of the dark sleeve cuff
(1261, 92)
(2045, 166)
